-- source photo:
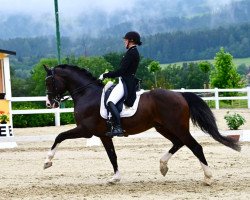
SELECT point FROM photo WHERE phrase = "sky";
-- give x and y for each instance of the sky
(75, 7)
(113, 11)
(71, 7)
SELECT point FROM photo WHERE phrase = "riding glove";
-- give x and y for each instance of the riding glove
(101, 77)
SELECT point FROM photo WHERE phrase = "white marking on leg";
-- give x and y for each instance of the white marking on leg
(51, 154)
(166, 157)
(164, 163)
(115, 178)
(207, 173)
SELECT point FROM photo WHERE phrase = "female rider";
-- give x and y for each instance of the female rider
(126, 75)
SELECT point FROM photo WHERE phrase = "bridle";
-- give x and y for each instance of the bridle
(60, 97)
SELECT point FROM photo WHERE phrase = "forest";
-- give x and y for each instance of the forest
(191, 38)
(164, 47)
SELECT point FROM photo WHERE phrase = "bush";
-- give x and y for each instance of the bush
(33, 120)
(234, 121)
(39, 120)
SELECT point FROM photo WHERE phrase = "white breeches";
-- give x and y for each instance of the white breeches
(117, 93)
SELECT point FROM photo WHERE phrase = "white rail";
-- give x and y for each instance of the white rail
(216, 97)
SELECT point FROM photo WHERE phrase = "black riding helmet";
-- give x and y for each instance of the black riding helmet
(133, 37)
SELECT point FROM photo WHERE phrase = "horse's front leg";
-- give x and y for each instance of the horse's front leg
(78, 132)
(110, 149)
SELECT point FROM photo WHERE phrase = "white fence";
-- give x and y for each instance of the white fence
(213, 96)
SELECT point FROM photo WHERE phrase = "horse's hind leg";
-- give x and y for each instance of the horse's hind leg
(197, 150)
(177, 144)
(110, 149)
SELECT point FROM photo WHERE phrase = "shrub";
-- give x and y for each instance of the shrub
(39, 120)
(234, 121)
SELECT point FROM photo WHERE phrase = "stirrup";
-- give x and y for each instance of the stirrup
(115, 131)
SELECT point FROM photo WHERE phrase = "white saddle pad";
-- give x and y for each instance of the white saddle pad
(126, 111)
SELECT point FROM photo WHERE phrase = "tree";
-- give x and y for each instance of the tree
(95, 65)
(114, 59)
(172, 76)
(154, 67)
(243, 69)
(205, 67)
(38, 74)
(225, 74)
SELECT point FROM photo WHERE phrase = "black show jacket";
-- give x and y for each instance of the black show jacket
(127, 70)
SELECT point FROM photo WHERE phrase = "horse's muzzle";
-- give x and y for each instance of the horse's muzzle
(51, 104)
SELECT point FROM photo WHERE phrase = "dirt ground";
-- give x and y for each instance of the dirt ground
(81, 172)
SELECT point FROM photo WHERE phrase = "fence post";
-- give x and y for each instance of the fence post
(216, 95)
(248, 96)
(57, 116)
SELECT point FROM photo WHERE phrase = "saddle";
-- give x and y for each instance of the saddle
(124, 110)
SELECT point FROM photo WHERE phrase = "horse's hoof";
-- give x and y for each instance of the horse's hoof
(208, 181)
(163, 168)
(47, 165)
(115, 179)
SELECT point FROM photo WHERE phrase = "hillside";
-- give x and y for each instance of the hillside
(165, 47)
(236, 61)
(146, 17)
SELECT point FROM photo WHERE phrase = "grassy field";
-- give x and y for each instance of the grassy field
(237, 62)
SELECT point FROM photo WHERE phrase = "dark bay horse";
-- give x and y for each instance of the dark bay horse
(167, 111)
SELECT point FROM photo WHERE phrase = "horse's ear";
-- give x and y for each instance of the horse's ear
(46, 68)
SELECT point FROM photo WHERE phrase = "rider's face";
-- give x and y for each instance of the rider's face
(126, 43)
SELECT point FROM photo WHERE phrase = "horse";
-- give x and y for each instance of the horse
(167, 111)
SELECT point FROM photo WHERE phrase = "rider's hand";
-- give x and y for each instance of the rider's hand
(101, 77)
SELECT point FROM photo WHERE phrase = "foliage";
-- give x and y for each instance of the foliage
(96, 65)
(114, 59)
(166, 47)
(31, 120)
(189, 75)
(67, 118)
(38, 74)
(172, 76)
(243, 69)
(154, 67)
(225, 75)
(234, 121)
(3, 117)
(205, 67)
(144, 74)
(39, 120)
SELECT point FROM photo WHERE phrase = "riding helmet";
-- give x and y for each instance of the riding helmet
(133, 37)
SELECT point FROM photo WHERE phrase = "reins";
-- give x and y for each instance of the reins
(81, 88)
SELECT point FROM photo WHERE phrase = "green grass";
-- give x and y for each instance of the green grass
(233, 104)
(237, 62)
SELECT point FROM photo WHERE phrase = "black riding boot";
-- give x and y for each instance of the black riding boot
(117, 129)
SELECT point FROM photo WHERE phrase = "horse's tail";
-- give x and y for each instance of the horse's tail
(202, 116)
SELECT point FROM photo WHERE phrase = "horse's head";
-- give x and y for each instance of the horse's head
(55, 88)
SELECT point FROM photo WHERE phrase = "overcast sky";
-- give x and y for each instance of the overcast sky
(71, 7)
(113, 11)
(74, 7)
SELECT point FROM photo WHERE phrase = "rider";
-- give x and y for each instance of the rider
(126, 74)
